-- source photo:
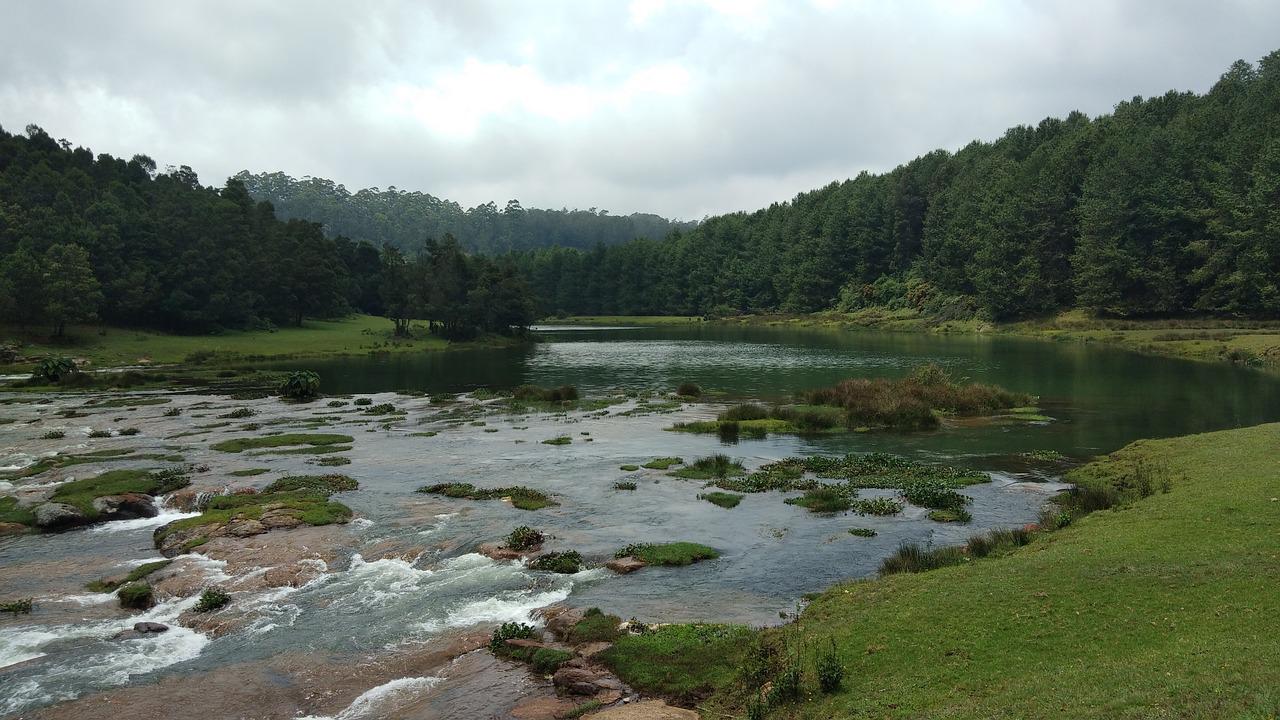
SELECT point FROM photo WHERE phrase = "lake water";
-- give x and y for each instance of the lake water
(376, 605)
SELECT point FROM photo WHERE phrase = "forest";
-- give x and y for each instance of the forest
(87, 238)
(405, 219)
(1167, 206)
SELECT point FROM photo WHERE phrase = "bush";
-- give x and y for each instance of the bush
(913, 558)
(53, 435)
(830, 670)
(54, 369)
(565, 563)
(136, 596)
(300, 385)
(689, 390)
(100, 434)
(786, 685)
(624, 485)
(524, 538)
(510, 631)
(129, 432)
(363, 401)
(212, 599)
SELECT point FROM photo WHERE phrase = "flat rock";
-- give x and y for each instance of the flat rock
(56, 516)
(502, 552)
(245, 528)
(625, 565)
(645, 710)
(544, 708)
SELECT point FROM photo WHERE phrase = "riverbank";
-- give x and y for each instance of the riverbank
(1253, 343)
(106, 347)
(1159, 607)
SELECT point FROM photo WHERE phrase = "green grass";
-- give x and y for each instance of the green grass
(320, 483)
(521, 497)
(63, 461)
(11, 513)
(663, 463)
(723, 499)
(311, 507)
(308, 450)
(559, 440)
(81, 493)
(104, 586)
(275, 441)
(710, 468)
(595, 626)
(565, 562)
(824, 499)
(683, 662)
(628, 468)
(1163, 606)
(623, 320)
(107, 347)
(675, 553)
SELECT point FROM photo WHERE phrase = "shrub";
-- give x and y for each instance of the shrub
(54, 369)
(22, 606)
(565, 563)
(136, 596)
(129, 432)
(524, 538)
(510, 631)
(748, 411)
(830, 670)
(862, 532)
(624, 485)
(823, 499)
(689, 390)
(364, 401)
(53, 435)
(786, 685)
(912, 557)
(212, 599)
(300, 385)
(100, 434)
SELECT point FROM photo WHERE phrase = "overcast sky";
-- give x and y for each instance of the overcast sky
(678, 108)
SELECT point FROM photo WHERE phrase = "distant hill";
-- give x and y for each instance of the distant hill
(405, 219)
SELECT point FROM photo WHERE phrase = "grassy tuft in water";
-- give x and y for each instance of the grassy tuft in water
(105, 586)
(327, 484)
(723, 499)
(663, 463)
(675, 553)
(521, 497)
(566, 562)
(683, 662)
(710, 468)
(284, 440)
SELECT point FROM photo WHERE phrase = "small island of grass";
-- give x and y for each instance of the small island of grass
(521, 497)
(673, 553)
(313, 440)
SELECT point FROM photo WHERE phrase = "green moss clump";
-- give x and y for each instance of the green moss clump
(11, 513)
(710, 468)
(275, 441)
(212, 599)
(663, 463)
(566, 562)
(824, 499)
(103, 586)
(327, 484)
(683, 662)
(628, 468)
(560, 440)
(675, 553)
(136, 596)
(250, 472)
(723, 499)
(521, 497)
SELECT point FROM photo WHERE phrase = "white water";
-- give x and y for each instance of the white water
(370, 703)
(166, 516)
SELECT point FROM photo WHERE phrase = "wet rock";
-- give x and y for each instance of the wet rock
(187, 499)
(127, 506)
(544, 708)
(57, 516)
(150, 627)
(502, 552)
(245, 528)
(526, 643)
(9, 528)
(625, 565)
(294, 574)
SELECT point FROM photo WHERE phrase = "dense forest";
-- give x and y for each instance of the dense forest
(406, 219)
(85, 238)
(1169, 205)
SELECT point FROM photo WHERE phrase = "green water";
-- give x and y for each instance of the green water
(1101, 398)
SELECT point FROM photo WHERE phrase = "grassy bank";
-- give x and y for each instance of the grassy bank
(1245, 342)
(113, 347)
(612, 320)
(1164, 606)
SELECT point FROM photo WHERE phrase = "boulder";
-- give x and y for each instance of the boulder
(560, 619)
(578, 677)
(625, 565)
(502, 552)
(279, 519)
(150, 627)
(126, 506)
(57, 516)
(245, 528)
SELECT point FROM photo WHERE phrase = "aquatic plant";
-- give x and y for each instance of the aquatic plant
(100, 434)
(876, 506)
(320, 483)
(239, 414)
(53, 435)
(673, 553)
(913, 558)
(524, 538)
(331, 461)
(129, 432)
(382, 409)
(708, 468)
(173, 412)
(663, 463)
(824, 499)
(212, 599)
(363, 401)
(628, 468)
(558, 440)
(624, 485)
(521, 497)
(110, 585)
(566, 562)
(284, 440)
(945, 515)
(723, 499)
(17, 607)
(300, 385)
(136, 596)
(862, 532)
(689, 389)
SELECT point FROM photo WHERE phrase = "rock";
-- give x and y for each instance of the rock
(126, 506)
(577, 677)
(594, 648)
(625, 565)
(560, 619)
(245, 528)
(187, 499)
(57, 516)
(8, 528)
(544, 708)
(502, 552)
(525, 643)
(646, 710)
(150, 627)
(278, 519)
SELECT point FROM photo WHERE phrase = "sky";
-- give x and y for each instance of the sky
(680, 108)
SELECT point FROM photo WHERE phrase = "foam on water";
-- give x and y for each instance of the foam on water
(370, 703)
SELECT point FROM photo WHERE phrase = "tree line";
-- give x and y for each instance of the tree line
(98, 238)
(1169, 205)
(403, 219)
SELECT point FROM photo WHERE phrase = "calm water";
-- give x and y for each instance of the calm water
(772, 553)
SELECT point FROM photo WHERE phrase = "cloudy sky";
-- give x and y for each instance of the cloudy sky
(682, 108)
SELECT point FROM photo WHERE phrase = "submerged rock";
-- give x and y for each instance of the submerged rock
(625, 565)
(127, 506)
(58, 516)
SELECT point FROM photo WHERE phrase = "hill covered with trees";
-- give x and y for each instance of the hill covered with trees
(406, 219)
(1169, 205)
(85, 237)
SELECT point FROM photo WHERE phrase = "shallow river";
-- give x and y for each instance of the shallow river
(407, 579)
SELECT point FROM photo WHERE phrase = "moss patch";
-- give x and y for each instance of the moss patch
(723, 499)
(109, 585)
(675, 553)
(663, 463)
(275, 441)
(521, 497)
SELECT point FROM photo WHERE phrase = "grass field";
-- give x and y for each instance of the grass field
(1162, 608)
(108, 347)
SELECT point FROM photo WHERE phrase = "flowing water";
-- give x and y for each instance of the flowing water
(405, 578)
